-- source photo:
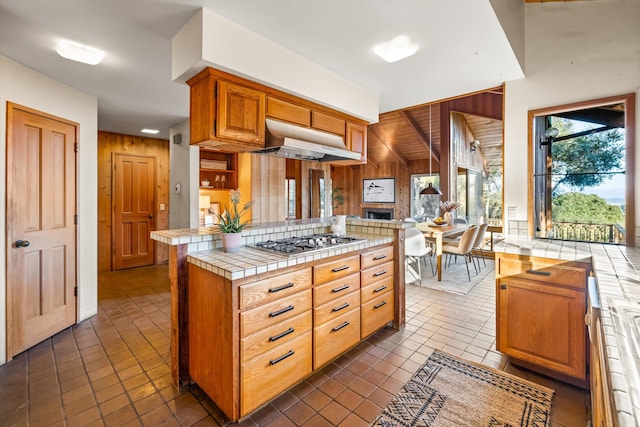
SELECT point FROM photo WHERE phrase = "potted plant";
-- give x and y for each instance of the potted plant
(337, 199)
(231, 224)
(447, 209)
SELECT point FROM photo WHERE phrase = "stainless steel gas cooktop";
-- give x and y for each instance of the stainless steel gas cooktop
(305, 244)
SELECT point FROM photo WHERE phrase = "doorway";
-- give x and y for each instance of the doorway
(41, 226)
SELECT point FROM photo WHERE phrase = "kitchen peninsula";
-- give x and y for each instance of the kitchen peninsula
(237, 318)
(610, 301)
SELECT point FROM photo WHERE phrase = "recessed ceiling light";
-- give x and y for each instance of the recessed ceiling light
(396, 49)
(80, 52)
(151, 131)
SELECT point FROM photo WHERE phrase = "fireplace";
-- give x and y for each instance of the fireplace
(378, 213)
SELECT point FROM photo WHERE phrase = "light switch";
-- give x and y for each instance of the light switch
(161, 206)
(178, 188)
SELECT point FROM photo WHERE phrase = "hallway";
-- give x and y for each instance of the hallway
(112, 369)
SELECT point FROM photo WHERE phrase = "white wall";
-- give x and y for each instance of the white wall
(575, 51)
(26, 87)
(181, 173)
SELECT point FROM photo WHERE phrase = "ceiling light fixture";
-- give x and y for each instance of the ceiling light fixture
(79, 52)
(430, 189)
(396, 49)
(151, 131)
(474, 145)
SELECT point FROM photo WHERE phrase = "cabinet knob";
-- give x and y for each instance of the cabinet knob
(503, 287)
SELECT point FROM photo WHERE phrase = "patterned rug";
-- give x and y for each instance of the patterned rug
(454, 277)
(448, 391)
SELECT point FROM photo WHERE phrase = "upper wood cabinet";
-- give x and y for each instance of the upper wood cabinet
(229, 112)
(226, 115)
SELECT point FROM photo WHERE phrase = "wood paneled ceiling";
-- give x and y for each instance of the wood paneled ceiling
(403, 135)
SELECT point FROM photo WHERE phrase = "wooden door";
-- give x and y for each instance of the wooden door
(133, 206)
(41, 230)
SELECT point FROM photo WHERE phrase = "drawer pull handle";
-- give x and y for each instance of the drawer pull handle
(379, 273)
(539, 273)
(379, 257)
(281, 334)
(337, 328)
(281, 288)
(282, 311)
(344, 267)
(341, 288)
(340, 307)
(381, 288)
(379, 305)
(281, 358)
(503, 287)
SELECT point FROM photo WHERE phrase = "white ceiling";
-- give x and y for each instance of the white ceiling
(462, 48)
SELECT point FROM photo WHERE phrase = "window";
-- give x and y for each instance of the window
(290, 189)
(580, 173)
(424, 206)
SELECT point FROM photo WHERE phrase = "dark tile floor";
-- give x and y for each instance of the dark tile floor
(112, 369)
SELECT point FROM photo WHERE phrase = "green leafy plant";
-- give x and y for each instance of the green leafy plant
(231, 219)
(337, 198)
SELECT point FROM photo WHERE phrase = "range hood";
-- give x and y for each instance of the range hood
(295, 142)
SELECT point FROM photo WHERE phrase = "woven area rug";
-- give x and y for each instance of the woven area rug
(448, 391)
(454, 277)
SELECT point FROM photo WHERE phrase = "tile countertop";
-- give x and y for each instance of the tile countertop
(617, 269)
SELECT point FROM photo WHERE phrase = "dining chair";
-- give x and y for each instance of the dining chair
(477, 245)
(415, 249)
(460, 221)
(463, 247)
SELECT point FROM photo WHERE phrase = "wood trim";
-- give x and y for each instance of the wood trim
(424, 138)
(494, 90)
(630, 139)
(179, 278)
(375, 129)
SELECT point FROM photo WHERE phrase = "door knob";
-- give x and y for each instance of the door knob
(150, 216)
(22, 243)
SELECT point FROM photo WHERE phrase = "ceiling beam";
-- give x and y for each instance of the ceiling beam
(423, 137)
(375, 129)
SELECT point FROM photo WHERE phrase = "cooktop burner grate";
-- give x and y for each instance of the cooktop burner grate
(304, 244)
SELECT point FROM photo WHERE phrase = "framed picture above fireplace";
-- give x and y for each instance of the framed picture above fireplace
(379, 190)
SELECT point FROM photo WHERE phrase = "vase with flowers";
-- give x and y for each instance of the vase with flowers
(448, 209)
(231, 223)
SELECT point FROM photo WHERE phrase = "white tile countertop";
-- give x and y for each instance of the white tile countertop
(617, 269)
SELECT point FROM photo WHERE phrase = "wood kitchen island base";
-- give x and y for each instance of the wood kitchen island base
(250, 340)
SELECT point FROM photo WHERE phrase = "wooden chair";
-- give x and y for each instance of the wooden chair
(463, 247)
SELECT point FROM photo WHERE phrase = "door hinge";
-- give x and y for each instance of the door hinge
(75, 147)
(75, 291)
(75, 219)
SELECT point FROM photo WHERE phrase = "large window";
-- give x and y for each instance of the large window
(580, 171)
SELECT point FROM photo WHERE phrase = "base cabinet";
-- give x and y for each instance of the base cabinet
(541, 304)
(251, 341)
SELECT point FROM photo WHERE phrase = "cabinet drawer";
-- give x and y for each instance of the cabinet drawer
(274, 312)
(335, 337)
(267, 339)
(327, 123)
(542, 270)
(271, 373)
(376, 273)
(286, 111)
(334, 270)
(376, 257)
(329, 311)
(267, 290)
(375, 289)
(335, 289)
(376, 313)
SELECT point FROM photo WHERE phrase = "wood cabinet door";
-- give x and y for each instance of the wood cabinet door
(543, 324)
(41, 231)
(357, 140)
(241, 113)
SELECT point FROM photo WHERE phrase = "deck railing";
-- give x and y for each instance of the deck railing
(604, 233)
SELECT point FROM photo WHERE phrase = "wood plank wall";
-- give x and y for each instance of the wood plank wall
(349, 178)
(109, 143)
